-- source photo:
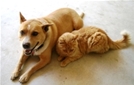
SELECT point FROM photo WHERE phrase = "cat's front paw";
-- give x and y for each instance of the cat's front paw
(60, 58)
(63, 64)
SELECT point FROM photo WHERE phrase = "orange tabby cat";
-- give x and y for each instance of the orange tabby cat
(72, 46)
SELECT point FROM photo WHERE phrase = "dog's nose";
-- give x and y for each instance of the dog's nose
(26, 45)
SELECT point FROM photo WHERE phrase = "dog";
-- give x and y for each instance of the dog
(39, 36)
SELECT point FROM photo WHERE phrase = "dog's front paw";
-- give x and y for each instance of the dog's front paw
(15, 75)
(24, 78)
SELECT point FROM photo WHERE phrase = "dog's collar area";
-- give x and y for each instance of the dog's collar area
(40, 47)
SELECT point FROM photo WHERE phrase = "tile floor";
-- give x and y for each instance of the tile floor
(115, 67)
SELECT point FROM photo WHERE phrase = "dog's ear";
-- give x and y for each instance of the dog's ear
(46, 27)
(22, 18)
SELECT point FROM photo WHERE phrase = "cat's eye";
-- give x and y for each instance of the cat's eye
(61, 42)
(65, 50)
(71, 50)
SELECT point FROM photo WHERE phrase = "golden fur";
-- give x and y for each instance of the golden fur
(72, 46)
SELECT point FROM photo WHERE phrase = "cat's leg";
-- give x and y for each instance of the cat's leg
(70, 59)
(98, 43)
(60, 58)
(65, 62)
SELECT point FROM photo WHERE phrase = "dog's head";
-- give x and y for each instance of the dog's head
(33, 34)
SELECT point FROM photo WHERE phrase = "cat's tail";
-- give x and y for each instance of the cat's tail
(124, 42)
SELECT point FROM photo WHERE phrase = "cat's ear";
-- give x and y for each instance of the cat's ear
(61, 41)
(75, 37)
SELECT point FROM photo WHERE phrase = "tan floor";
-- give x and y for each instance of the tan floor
(112, 68)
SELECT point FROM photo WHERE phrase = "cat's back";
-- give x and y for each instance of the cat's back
(88, 30)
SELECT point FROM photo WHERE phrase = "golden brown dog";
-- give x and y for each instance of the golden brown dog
(39, 36)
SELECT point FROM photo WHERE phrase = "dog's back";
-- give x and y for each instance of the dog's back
(66, 20)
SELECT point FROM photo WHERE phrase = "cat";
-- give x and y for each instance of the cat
(72, 46)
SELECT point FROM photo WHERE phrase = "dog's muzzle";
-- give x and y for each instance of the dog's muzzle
(26, 45)
(29, 51)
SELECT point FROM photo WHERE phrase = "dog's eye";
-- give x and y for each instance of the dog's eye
(22, 32)
(34, 33)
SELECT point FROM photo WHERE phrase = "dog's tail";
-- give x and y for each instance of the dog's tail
(82, 15)
(124, 42)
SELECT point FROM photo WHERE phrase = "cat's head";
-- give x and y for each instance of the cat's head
(67, 43)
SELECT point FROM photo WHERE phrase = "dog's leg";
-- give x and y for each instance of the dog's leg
(17, 70)
(44, 60)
